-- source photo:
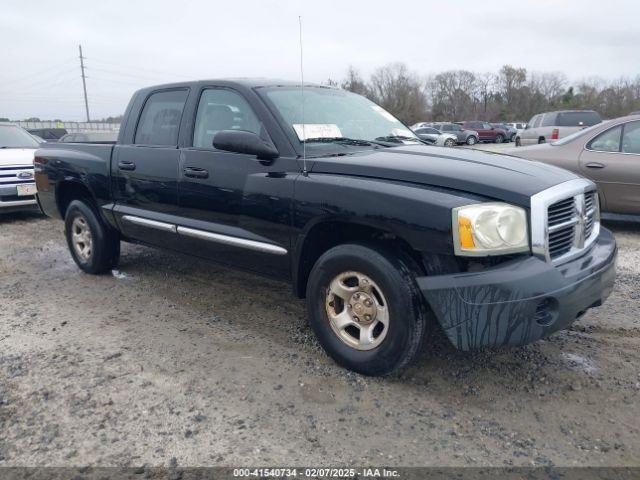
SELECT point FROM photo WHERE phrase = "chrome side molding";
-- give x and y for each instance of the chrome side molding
(204, 235)
(232, 241)
(145, 222)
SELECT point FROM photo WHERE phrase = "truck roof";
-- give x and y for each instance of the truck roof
(240, 81)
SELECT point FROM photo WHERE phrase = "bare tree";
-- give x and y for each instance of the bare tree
(512, 94)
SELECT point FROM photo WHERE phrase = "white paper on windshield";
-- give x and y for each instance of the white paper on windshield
(402, 132)
(384, 113)
(317, 130)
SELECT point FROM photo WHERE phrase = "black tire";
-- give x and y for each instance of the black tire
(105, 242)
(541, 140)
(408, 314)
(471, 140)
(518, 142)
(450, 142)
(499, 139)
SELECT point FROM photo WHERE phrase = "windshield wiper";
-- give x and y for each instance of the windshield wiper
(400, 139)
(345, 141)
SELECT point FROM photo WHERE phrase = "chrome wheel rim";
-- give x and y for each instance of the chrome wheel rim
(81, 238)
(357, 310)
(471, 141)
(448, 143)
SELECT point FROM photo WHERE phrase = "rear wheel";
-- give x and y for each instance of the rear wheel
(499, 139)
(518, 142)
(93, 245)
(365, 308)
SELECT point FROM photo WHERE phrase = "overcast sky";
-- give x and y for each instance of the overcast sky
(131, 44)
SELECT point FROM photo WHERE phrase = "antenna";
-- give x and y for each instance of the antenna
(84, 82)
(304, 133)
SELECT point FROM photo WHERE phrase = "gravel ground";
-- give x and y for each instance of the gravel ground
(173, 361)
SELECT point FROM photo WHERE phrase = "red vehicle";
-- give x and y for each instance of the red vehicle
(486, 131)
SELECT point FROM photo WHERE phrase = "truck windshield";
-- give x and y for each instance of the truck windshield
(15, 137)
(333, 115)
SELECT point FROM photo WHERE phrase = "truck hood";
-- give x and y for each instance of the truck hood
(497, 176)
(10, 157)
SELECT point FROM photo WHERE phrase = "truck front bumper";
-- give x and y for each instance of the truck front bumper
(522, 300)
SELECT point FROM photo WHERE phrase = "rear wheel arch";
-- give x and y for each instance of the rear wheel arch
(327, 234)
(68, 191)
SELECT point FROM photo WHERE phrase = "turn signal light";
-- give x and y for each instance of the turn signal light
(466, 233)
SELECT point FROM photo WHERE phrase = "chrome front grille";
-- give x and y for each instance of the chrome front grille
(590, 205)
(12, 175)
(565, 219)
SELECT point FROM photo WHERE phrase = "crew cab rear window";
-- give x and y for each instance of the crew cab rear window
(160, 118)
(575, 119)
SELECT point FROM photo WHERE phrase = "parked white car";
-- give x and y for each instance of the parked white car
(17, 184)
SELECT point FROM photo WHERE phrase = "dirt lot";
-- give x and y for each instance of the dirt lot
(173, 361)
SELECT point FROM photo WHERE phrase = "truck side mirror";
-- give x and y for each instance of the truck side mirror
(242, 141)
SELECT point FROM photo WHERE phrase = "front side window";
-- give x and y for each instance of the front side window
(160, 118)
(631, 138)
(222, 109)
(608, 141)
(15, 137)
(331, 115)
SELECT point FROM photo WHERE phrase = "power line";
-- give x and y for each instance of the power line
(84, 83)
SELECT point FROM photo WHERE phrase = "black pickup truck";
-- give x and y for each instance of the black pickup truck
(383, 235)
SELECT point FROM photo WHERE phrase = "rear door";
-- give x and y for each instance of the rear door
(612, 160)
(145, 172)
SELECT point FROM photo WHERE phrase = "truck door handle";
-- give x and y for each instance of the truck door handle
(126, 165)
(194, 172)
(594, 165)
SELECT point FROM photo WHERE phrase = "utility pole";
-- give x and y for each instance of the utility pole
(84, 83)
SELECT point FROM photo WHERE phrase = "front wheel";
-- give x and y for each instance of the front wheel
(365, 308)
(94, 246)
(449, 142)
(499, 139)
(471, 140)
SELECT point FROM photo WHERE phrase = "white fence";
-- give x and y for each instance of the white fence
(72, 126)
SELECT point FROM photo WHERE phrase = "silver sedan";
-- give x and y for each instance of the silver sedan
(436, 137)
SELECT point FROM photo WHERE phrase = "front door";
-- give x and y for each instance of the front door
(221, 218)
(145, 173)
(612, 160)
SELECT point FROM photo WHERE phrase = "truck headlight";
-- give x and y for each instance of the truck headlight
(489, 229)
